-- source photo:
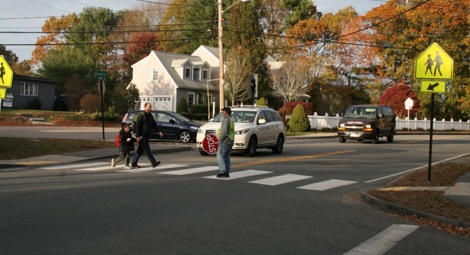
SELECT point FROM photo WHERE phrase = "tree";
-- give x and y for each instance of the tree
(395, 97)
(405, 32)
(292, 79)
(173, 26)
(9, 56)
(55, 28)
(236, 85)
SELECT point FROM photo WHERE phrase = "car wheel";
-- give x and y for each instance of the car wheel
(375, 140)
(342, 139)
(202, 152)
(185, 136)
(391, 136)
(279, 145)
(251, 150)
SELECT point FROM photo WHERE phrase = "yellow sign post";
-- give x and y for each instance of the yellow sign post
(433, 67)
(434, 64)
(6, 77)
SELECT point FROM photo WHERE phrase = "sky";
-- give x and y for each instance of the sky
(30, 15)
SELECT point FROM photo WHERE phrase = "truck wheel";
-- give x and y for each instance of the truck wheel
(375, 140)
(390, 137)
(342, 139)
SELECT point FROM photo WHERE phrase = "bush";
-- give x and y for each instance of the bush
(261, 102)
(182, 106)
(34, 104)
(298, 122)
(290, 106)
(90, 103)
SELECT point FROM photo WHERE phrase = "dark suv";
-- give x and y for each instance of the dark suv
(173, 125)
(362, 122)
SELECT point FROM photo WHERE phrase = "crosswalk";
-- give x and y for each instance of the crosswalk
(263, 177)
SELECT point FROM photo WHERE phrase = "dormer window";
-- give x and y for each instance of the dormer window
(187, 73)
(205, 74)
(196, 74)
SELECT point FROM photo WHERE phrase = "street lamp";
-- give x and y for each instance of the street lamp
(220, 12)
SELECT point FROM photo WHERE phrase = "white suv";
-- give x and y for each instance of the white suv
(254, 128)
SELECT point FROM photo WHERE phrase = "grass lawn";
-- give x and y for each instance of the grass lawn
(434, 202)
(18, 148)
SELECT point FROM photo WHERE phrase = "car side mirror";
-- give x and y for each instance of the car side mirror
(261, 121)
(172, 121)
(380, 115)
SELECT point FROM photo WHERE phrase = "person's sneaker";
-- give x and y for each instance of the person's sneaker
(127, 167)
(223, 175)
(156, 164)
(113, 162)
(136, 166)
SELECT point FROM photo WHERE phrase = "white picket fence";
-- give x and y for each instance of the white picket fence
(329, 122)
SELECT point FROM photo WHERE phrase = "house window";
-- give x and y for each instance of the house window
(28, 89)
(187, 73)
(205, 74)
(190, 100)
(152, 74)
(196, 74)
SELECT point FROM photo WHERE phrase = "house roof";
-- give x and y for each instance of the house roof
(171, 61)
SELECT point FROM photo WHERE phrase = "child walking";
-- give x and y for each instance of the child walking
(125, 147)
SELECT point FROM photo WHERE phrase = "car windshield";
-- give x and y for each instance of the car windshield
(361, 113)
(238, 117)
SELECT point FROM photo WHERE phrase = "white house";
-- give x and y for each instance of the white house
(165, 78)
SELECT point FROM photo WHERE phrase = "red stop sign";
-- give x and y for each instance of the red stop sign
(210, 144)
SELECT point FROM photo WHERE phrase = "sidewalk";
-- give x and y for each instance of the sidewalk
(157, 148)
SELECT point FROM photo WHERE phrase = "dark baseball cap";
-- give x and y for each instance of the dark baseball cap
(227, 109)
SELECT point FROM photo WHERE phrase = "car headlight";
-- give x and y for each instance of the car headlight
(368, 126)
(242, 132)
(193, 127)
(342, 125)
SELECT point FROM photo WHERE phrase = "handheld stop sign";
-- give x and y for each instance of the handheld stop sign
(210, 144)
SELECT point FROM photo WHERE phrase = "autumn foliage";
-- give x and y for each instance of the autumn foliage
(395, 97)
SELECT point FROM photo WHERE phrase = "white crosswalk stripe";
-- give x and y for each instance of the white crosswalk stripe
(146, 169)
(326, 185)
(172, 169)
(282, 179)
(384, 241)
(191, 170)
(240, 174)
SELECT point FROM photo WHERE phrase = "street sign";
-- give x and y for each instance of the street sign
(101, 87)
(6, 74)
(408, 104)
(101, 74)
(3, 93)
(210, 144)
(433, 86)
(434, 64)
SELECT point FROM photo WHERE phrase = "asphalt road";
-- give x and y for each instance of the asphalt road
(304, 201)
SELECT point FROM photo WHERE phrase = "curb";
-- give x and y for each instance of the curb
(392, 207)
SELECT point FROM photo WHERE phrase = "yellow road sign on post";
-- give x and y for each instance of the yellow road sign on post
(434, 64)
(3, 94)
(6, 74)
(433, 86)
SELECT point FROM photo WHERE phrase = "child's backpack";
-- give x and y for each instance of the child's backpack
(117, 140)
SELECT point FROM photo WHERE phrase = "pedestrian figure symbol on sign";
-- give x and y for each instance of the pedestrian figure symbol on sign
(438, 61)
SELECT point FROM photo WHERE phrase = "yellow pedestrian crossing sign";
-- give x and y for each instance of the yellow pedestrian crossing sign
(434, 64)
(433, 86)
(6, 74)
